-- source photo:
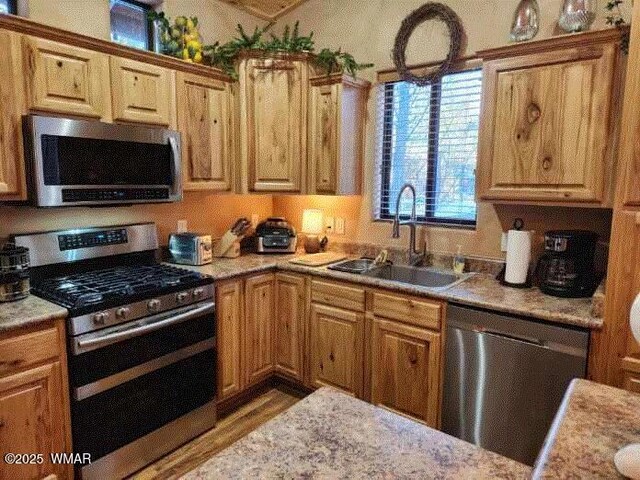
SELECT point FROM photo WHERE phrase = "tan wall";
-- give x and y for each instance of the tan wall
(204, 212)
(91, 17)
(367, 28)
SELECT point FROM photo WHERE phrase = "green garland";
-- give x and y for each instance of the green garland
(224, 55)
(615, 19)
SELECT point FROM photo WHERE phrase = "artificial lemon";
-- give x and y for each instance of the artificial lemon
(185, 54)
(181, 21)
(197, 58)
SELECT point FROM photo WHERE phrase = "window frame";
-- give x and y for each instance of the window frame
(148, 24)
(432, 160)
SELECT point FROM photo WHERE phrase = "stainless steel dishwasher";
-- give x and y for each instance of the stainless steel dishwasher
(505, 378)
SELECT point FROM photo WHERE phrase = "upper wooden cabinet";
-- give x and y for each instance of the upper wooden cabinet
(12, 179)
(205, 121)
(273, 124)
(64, 79)
(141, 93)
(290, 325)
(259, 332)
(546, 125)
(337, 114)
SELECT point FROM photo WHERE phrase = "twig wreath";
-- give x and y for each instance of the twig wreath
(428, 11)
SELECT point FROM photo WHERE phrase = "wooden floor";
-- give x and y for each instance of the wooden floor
(228, 430)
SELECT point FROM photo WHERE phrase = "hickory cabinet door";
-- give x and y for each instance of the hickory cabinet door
(229, 331)
(141, 93)
(290, 321)
(273, 123)
(337, 348)
(65, 79)
(259, 333)
(205, 124)
(405, 370)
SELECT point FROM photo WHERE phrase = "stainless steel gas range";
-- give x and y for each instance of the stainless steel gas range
(141, 343)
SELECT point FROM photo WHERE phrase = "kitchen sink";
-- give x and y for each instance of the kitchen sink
(359, 265)
(422, 276)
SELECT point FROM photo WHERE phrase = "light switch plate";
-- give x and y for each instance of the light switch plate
(340, 225)
(182, 226)
(328, 224)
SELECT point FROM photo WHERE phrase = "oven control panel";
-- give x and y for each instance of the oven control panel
(92, 239)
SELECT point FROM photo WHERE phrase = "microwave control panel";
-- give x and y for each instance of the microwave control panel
(92, 239)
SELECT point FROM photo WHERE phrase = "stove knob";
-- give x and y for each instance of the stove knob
(182, 297)
(153, 305)
(197, 292)
(122, 312)
(100, 318)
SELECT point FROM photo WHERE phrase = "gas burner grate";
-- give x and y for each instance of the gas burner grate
(120, 283)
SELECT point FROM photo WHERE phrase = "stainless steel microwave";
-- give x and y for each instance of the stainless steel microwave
(88, 162)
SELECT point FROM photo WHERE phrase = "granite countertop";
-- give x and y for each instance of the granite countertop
(332, 435)
(28, 311)
(479, 290)
(592, 424)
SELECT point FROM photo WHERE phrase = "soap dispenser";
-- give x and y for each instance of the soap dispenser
(458, 261)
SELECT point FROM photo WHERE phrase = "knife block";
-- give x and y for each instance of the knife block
(228, 246)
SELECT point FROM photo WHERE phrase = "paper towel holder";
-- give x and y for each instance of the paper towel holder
(518, 224)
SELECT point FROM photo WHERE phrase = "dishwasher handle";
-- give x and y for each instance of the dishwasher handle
(519, 338)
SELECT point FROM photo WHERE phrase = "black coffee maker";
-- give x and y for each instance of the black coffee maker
(566, 268)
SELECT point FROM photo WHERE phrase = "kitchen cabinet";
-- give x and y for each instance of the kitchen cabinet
(142, 93)
(290, 322)
(259, 333)
(337, 348)
(273, 123)
(65, 79)
(12, 178)
(337, 114)
(229, 315)
(405, 370)
(34, 409)
(205, 121)
(547, 121)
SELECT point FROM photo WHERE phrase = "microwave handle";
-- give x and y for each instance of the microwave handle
(176, 162)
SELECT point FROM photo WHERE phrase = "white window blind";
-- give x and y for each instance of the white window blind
(428, 136)
(130, 25)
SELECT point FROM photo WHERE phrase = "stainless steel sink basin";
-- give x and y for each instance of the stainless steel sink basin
(422, 276)
(359, 265)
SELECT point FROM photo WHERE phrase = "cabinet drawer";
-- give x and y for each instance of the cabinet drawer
(29, 349)
(422, 313)
(338, 295)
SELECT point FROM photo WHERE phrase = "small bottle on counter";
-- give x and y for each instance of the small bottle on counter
(458, 261)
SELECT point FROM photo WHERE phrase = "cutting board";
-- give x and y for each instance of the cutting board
(318, 259)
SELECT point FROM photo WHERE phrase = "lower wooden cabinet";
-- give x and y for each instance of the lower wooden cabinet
(289, 325)
(229, 304)
(337, 348)
(259, 332)
(34, 411)
(405, 370)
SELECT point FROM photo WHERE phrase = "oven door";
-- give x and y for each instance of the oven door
(142, 389)
(80, 162)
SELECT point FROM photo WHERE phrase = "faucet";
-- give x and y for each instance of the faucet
(415, 256)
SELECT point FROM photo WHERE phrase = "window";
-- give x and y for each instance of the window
(130, 24)
(430, 139)
(8, 6)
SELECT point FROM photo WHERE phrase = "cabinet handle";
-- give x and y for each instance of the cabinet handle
(59, 63)
(332, 357)
(546, 163)
(533, 113)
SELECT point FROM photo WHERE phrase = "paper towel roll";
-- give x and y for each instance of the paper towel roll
(518, 256)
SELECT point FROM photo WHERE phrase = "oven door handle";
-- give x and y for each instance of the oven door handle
(93, 343)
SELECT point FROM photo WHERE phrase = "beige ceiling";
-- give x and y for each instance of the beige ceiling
(266, 9)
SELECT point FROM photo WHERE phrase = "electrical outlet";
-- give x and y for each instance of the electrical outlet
(340, 225)
(503, 242)
(182, 226)
(328, 224)
(254, 220)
